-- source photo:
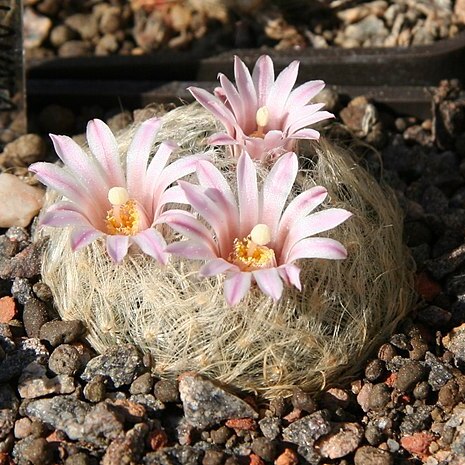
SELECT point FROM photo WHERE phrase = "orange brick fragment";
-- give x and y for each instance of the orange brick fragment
(288, 457)
(426, 287)
(157, 439)
(7, 309)
(256, 460)
(248, 424)
(418, 443)
(391, 379)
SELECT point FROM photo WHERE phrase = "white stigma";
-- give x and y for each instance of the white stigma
(118, 195)
(261, 234)
(262, 117)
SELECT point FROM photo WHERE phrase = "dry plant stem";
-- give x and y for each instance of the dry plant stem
(311, 338)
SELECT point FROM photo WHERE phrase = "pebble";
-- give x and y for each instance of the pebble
(368, 455)
(220, 435)
(374, 370)
(58, 332)
(22, 428)
(343, 439)
(439, 373)
(9, 405)
(379, 397)
(21, 290)
(455, 342)
(417, 443)
(127, 449)
(288, 457)
(36, 28)
(61, 34)
(95, 390)
(213, 457)
(78, 459)
(120, 364)
(35, 315)
(85, 25)
(25, 264)
(38, 452)
(8, 309)
(182, 455)
(74, 48)
(64, 360)
(206, 404)
(143, 384)
(20, 202)
(264, 448)
(409, 375)
(42, 291)
(23, 151)
(270, 427)
(166, 391)
(305, 431)
(302, 400)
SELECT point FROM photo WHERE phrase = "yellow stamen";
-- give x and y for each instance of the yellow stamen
(124, 216)
(118, 195)
(262, 116)
(251, 252)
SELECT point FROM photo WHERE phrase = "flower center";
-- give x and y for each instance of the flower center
(251, 252)
(124, 217)
(262, 117)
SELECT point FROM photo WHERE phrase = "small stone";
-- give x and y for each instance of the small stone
(417, 419)
(264, 448)
(85, 25)
(110, 21)
(106, 45)
(221, 435)
(39, 429)
(334, 398)
(302, 400)
(61, 34)
(59, 332)
(7, 309)
(166, 391)
(20, 202)
(400, 341)
(206, 404)
(380, 396)
(142, 384)
(22, 428)
(341, 441)
(182, 455)
(367, 455)
(270, 427)
(35, 315)
(439, 373)
(288, 457)
(373, 434)
(387, 352)
(34, 382)
(127, 449)
(364, 395)
(24, 150)
(64, 360)
(95, 390)
(21, 290)
(9, 405)
(35, 28)
(421, 390)
(374, 370)
(42, 291)
(418, 443)
(434, 316)
(38, 452)
(25, 264)
(455, 342)
(304, 431)
(213, 457)
(278, 406)
(448, 394)
(157, 439)
(75, 48)
(120, 364)
(409, 375)
(78, 459)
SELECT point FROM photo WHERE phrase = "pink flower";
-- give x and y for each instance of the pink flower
(255, 237)
(105, 200)
(262, 114)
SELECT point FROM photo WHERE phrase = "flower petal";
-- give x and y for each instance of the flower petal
(247, 191)
(215, 267)
(304, 121)
(314, 224)
(245, 85)
(317, 247)
(234, 101)
(103, 145)
(117, 247)
(300, 207)
(301, 95)
(221, 138)
(307, 133)
(269, 282)
(138, 156)
(191, 249)
(81, 237)
(290, 274)
(276, 189)
(172, 195)
(279, 93)
(236, 286)
(152, 243)
(263, 79)
(60, 218)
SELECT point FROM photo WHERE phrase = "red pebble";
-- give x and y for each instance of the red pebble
(288, 457)
(418, 443)
(157, 439)
(248, 424)
(7, 309)
(427, 287)
(256, 460)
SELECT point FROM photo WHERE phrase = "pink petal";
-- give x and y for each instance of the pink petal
(221, 138)
(302, 95)
(234, 100)
(103, 145)
(245, 86)
(314, 224)
(300, 113)
(276, 189)
(152, 243)
(255, 147)
(137, 158)
(213, 214)
(62, 217)
(308, 120)
(63, 182)
(82, 167)
(117, 247)
(300, 207)
(172, 195)
(269, 282)
(263, 79)
(317, 247)
(236, 287)
(290, 273)
(215, 267)
(188, 226)
(191, 249)
(305, 134)
(279, 93)
(247, 191)
(81, 237)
